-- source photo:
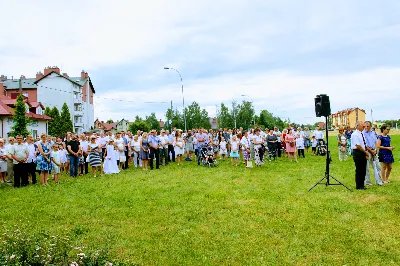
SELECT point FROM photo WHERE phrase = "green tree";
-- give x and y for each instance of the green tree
(224, 117)
(56, 129)
(139, 125)
(168, 116)
(245, 115)
(109, 121)
(266, 119)
(20, 120)
(196, 117)
(177, 120)
(66, 122)
(153, 122)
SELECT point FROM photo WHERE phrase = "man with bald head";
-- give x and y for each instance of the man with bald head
(360, 154)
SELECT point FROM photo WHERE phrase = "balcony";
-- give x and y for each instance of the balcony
(77, 100)
(78, 113)
(78, 124)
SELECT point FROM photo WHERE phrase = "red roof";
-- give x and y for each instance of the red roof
(36, 104)
(5, 109)
(38, 117)
(107, 126)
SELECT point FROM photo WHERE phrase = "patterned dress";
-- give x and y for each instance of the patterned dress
(94, 155)
(384, 155)
(41, 163)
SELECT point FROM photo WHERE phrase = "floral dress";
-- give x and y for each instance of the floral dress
(41, 163)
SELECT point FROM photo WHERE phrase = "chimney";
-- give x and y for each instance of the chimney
(3, 78)
(22, 77)
(65, 75)
(84, 74)
(50, 69)
(39, 75)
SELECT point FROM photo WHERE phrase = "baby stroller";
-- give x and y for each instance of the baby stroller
(207, 156)
(321, 148)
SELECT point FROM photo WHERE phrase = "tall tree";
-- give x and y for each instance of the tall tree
(177, 120)
(153, 122)
(139, 125)
(169, 115)
(20, 120)
(109, 121)
(245, 115)
(266, 119)
(66, 122)
(56, 126)
(224, 117)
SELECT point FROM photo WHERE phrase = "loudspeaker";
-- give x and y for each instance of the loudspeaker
(322, 105)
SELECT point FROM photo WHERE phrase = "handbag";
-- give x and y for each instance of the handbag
(249, 164)
(291, 144)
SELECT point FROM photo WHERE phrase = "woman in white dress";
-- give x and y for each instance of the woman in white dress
(56, 161)
(3, 161)
(179, 146)
(223, 151)
(119, 142)
(110, 161)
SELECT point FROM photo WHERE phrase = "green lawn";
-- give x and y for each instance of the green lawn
(192, 215)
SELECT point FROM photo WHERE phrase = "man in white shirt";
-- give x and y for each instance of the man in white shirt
(318, 134)
(360, 154)
(19, 152)
(84, 147)
(31, 161)
(163, 147)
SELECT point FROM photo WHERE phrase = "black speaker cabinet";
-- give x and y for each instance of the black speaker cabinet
(322, 105)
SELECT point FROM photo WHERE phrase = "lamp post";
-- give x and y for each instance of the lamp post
(183, 97)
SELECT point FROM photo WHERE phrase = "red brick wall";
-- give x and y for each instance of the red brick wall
(32, 94)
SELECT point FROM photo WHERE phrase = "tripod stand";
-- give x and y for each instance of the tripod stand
(327, 176)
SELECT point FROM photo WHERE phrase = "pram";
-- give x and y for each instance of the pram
(321, 147)
(207, 156)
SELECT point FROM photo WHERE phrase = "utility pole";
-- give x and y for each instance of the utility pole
(170, 121)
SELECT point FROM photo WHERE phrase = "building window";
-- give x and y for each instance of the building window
(34, 134)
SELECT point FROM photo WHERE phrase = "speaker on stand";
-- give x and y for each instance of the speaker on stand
(323, 108)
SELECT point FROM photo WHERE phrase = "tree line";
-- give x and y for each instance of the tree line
(239, 114)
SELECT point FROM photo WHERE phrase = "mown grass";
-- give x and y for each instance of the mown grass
(192, 215)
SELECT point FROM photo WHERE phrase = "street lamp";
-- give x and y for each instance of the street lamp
(183, 97)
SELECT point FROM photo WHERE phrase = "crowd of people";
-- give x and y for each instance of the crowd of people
(107, 153)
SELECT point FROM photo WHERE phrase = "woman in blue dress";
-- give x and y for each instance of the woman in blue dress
(43, 160)
(385, 154)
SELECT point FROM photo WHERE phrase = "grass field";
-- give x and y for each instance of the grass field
(192, 215)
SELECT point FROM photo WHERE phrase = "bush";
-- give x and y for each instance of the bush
(17, 248)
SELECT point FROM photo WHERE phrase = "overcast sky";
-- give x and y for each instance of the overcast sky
(279, 54)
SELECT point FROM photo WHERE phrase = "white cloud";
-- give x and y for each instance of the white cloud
(282, 93)
(251, 48)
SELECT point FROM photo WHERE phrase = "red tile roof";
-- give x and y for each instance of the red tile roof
(5, 109)
(38, 117)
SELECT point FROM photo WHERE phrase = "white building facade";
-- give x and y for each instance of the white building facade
(55, 89)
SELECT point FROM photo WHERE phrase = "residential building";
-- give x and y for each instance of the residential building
(38, 121)
(347, 117)
(122, 125)
(54, 89)
(101, 126)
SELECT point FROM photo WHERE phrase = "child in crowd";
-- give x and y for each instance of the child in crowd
(234, 150)
(63, 157)
(56, 161)
(223, 151)
(314, 144)
(300, 145)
